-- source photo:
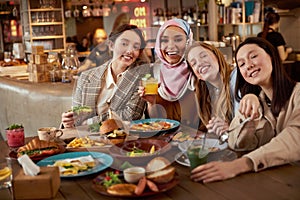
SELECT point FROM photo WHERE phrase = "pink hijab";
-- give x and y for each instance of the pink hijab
(175, 79)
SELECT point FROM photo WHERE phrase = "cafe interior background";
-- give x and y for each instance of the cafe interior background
(209, 19)
(93, 14)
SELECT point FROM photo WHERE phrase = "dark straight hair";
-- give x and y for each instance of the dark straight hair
(270, 19)
(282, 84)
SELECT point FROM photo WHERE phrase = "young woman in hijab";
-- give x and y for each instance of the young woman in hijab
(175, 78)
(113, 85)
(272, 101)
(214, 86)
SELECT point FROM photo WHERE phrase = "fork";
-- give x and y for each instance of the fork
(224, 136)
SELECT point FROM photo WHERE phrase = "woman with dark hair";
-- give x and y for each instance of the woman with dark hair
(271, 101)
(113, 85)
(270, 33)
(214, 86)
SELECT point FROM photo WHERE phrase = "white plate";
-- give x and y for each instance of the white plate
(183, 146)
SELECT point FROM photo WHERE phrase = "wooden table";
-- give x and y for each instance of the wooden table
(276, 183)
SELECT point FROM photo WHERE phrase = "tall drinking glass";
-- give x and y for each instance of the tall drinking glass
(197, 154)
(5, 173)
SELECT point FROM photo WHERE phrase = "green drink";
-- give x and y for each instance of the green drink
(197, 156)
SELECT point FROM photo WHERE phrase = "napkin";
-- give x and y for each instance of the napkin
(29, 167)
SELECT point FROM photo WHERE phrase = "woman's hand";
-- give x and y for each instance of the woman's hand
(217, 125)
(249, 106)
(149, 98)
(218, 170)
(67, 119)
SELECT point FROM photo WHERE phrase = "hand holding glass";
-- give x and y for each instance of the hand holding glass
(151, 85)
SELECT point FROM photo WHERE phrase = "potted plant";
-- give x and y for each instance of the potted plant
(15, 135)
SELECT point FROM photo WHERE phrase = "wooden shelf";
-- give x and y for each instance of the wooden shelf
(30, 29)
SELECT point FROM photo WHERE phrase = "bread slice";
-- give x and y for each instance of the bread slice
(122, 189)
(162, 176)
(157, 163)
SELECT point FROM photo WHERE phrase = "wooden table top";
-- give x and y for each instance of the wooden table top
(276, 183)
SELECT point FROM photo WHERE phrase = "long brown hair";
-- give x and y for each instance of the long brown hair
(224, 108)
(282, 84)
(270, 19)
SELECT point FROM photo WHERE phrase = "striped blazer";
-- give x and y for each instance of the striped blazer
(126, 102)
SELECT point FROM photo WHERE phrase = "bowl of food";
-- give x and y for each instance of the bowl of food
(139, 152)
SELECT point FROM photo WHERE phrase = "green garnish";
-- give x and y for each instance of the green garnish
(147, 76)
(95, 127)
(111, 178)
(81, 109)
(15, 126)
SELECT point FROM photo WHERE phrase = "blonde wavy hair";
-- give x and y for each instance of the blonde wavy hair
(224, 107)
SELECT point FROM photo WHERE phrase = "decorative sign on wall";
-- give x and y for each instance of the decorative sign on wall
(140, 16)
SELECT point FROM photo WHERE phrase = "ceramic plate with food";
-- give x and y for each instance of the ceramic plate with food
(86, 143)
(154, 126)
(94, 162)
(139, 152)
(100, 188)
(161, 177)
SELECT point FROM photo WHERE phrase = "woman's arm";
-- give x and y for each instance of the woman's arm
(283, 53)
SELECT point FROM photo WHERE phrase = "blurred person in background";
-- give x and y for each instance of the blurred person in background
(99, 51)
(270, 32)
(83, 45)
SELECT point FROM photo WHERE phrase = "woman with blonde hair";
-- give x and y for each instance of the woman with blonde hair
(214, 86)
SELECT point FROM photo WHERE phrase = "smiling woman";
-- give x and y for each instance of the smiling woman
(272, 139)
(176, 99)
(215, 81)
(113, 85)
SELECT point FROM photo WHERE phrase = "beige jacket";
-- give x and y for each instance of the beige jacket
(272, 141)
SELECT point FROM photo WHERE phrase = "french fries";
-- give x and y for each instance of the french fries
(84, 142)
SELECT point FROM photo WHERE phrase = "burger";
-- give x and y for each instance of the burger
(112, 129)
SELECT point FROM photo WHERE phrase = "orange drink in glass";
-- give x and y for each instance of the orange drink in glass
(150, 84)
